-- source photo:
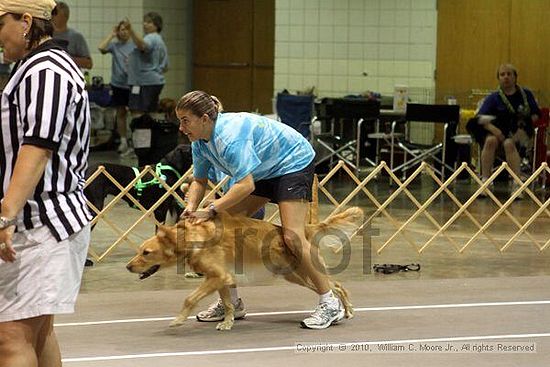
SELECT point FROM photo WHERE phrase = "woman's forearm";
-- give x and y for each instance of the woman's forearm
(236, 194)
(29, 168)
(196, 193)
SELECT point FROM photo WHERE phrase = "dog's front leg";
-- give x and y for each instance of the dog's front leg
(229, 318)
(208, 286)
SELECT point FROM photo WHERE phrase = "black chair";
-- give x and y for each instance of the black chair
(439, 153)
(296, 111)
(347, 115)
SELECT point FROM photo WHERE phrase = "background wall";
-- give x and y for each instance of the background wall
(468, 59)
(96, 18)
(351, 46)
(329, 44)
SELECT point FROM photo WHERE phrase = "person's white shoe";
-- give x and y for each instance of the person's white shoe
(129, 152)
(515, 187)
(485, 193)
(123, 146)
(326, 314)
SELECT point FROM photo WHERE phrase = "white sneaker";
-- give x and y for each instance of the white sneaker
(515, 187)
(123, 146)
(485, 193)
(216, 311)
(326, 314)
(129, 152)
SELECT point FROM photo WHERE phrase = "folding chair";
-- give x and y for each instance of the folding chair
(348, 114)
(413, 153)
(539, 144)
(296, 111)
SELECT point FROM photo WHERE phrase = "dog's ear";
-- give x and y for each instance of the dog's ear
(166, 235)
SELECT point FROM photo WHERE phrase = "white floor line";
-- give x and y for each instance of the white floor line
(293, 347)
(359, 309)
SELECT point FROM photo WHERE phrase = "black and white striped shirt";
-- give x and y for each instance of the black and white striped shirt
(45, 104)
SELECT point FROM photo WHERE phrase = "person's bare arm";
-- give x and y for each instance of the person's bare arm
(138, 39)
(83, 62)
(29, 168)
(195, 193)
(236, 193)
(105, 42)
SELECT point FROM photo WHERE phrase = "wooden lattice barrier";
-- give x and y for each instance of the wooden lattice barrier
(379, 208)
(402, 226)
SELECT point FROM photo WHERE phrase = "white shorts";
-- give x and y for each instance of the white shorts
(45, 277)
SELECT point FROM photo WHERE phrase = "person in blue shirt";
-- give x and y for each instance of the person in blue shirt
(146, 67)
(147, 64)
(69, 38)
(504, 115)
(268, 161)
(119, 45)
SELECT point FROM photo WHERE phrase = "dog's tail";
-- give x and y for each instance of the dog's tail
(313, 212)
(337, 229)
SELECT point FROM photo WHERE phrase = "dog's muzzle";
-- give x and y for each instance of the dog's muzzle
(147, 273)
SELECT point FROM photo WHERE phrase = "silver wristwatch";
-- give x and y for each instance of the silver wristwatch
(6, 222)
(212, 210)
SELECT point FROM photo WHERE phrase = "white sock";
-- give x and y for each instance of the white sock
(326, 297)
(234, 295)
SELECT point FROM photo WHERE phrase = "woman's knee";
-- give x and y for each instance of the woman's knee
(491, 143)
(12, 339)
(509, 146)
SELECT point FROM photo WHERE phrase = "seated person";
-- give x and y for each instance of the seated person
(505, 119)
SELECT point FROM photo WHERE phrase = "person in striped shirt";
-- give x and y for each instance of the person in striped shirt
(44, 220)
(269, 161)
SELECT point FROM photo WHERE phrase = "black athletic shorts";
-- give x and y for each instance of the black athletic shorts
(119, 96)
(292, 186)
(147, 100)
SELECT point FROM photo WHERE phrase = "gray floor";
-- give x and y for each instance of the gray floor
(131, 328)
(473, 302)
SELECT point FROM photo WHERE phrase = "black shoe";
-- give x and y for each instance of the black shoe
(89, 263)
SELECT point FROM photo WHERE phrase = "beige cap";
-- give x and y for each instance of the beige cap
(37, 8)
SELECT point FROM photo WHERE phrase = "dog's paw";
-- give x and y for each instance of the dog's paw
(224, 325)
(178, 321)
(350, 313)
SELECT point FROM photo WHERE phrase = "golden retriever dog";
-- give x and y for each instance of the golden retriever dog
(217, 247)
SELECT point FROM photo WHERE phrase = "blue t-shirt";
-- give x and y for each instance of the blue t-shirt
(119, 65)
(244, 143)
(506, 119)
(147, 67)
(494, 105)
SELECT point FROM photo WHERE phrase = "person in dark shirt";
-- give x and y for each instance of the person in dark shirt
(505, 115)
(72, 40)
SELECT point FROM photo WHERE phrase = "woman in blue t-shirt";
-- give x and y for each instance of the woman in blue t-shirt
(269, 162)
(120, 50)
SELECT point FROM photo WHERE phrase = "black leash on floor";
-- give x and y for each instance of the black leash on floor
(394, 268)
